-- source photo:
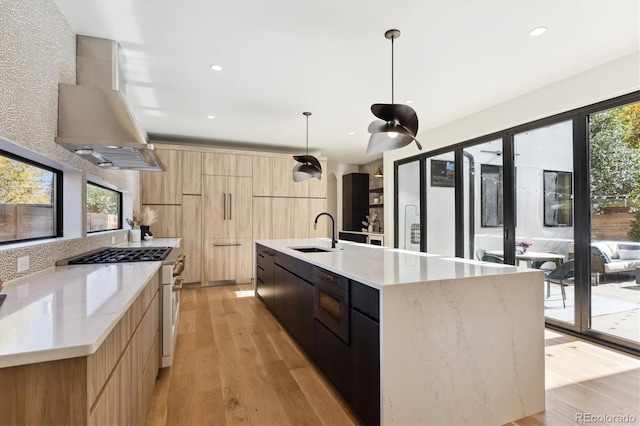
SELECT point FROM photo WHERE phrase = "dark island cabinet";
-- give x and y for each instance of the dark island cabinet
(285, 285)
(265, 284)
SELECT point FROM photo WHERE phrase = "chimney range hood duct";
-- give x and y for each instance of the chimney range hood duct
(94, 118)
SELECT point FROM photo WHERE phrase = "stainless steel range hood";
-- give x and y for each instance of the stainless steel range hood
(94, 118)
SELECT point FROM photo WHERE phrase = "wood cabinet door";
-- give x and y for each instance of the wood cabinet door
(239, 209)
(192, 237)
(318, 187)
(282, 184)
(262, 218)
(261, 176)
(290, 218)
(163, 187)
(169, 223)
(219, 260)
(220, 164)
(215, 199)
(244, 260)
(191, 172)
(316, 206)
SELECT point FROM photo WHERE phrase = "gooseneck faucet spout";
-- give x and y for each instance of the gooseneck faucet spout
(333, 227)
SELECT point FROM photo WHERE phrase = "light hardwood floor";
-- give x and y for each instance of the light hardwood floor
(234, 364)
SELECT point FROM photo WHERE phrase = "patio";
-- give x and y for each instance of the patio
(615, 306)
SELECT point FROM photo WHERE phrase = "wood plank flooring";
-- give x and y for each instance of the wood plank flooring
(234, 364)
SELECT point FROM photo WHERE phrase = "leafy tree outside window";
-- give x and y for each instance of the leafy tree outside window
(103, 208)
(28, 192)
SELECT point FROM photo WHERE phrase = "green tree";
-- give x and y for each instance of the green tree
(100, 200)
(21, 183)
(615, 160)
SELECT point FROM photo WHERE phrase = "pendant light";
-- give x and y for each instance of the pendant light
(308, 166)
(398, 124)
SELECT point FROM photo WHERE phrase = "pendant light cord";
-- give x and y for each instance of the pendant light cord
(307, 135)
(392, 38)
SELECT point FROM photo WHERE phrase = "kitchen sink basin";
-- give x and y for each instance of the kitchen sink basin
(311, 249)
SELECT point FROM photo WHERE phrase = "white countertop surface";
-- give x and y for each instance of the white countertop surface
(382, 266)
(68, 311)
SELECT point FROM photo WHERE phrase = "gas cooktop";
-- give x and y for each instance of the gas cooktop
(120, 255)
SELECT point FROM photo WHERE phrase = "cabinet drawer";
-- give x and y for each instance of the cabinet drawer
(366, 300)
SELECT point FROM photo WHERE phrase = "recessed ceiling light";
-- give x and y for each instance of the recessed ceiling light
(537, 31)
(210, 117)
(408, 101)
(216, 67)
(352, 133)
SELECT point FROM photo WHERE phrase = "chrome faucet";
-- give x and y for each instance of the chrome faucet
(333, 227)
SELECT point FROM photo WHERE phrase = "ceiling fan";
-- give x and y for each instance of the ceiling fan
(398, 124)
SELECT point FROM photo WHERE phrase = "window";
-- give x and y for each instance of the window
(491, 193)
(29, 200)
(558, 206)
(104, 208)
(443, 173)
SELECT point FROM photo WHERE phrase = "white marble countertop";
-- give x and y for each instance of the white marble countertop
(68, 311)
(379, 266)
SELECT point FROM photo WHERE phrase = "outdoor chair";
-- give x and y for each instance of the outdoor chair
(491, 258)
(480, 254)
(561, 275)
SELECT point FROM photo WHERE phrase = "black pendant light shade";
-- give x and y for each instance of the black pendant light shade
(308, 166)
(398, 124)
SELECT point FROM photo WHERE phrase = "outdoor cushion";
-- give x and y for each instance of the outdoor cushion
(629, 254)
(603, 250)
(628, 246)
(621, 266)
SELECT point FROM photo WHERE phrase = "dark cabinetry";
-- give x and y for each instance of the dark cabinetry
(294, 307)
(365, 353)
(355, 200)
(265, 285)
(348, 236)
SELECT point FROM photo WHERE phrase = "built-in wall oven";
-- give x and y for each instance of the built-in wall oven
(331, 302)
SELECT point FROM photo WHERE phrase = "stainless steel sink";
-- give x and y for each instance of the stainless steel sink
(311, 249)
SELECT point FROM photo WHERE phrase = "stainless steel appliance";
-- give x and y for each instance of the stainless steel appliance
(331, 302)
(171, 280)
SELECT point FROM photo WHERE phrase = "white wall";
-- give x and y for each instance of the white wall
(607, 81)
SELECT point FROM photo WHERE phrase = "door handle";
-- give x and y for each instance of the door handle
(224, 206)
(230, 206)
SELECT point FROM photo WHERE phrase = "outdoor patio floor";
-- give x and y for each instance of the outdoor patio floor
(615, 306)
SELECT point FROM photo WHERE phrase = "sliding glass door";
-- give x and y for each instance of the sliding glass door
(614, 168)
(543, 178)
(441, 214)
(408, 218)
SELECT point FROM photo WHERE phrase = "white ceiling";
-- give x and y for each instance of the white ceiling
(281, 58)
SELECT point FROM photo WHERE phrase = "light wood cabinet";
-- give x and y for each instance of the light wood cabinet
(226, 259)
(192, 237)
(227, 203)
(318, 187)
(111, 386)
(163, 187)
(290, 218)
(316, 206)
(169, 223)
(262, 227)
(220, 164)
(282, 184)
(191, 173)
(261, 176)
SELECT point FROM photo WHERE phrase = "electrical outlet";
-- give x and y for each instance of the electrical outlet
(23, 263)
(113, 239)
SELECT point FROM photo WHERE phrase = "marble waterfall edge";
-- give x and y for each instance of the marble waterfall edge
(465, 351)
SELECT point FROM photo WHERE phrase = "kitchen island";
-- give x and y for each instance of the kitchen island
(460, 341)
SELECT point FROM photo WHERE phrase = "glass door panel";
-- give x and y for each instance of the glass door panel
(614, 151)
(408, 215)
(544, 212)
(441, 213)
(484, 215)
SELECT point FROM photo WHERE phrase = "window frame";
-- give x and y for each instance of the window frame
(57, 197)
(120, 203)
